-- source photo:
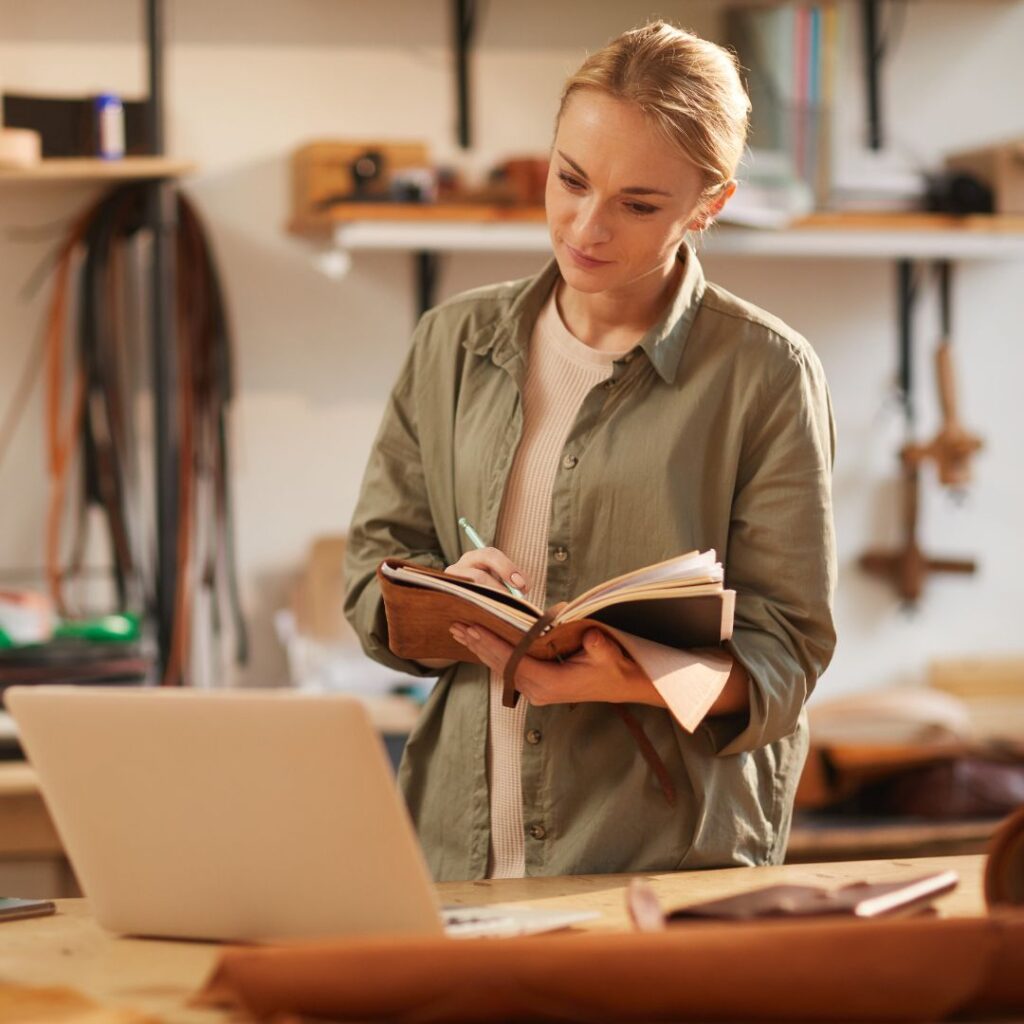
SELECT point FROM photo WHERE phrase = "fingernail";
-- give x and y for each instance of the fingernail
(474, 633)
(518, 580)
(457, 634)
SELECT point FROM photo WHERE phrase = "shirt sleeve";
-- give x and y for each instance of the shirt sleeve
(781, 557)
(392, 518)
(689, 682)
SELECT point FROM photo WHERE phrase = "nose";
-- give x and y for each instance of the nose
(591, 224)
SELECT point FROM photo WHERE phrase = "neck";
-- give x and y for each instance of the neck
(617, 320)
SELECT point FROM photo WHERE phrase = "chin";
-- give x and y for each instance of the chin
(582, 280)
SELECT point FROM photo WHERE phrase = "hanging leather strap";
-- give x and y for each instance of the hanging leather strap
(510, 697)
(650, 755)
(95, 433)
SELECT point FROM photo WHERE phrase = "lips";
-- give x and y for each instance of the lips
(585, 261)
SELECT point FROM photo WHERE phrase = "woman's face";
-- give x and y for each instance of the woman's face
(619, 197)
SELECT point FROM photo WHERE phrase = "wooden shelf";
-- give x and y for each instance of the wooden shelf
(86, 169)
(420, 213)
(820, 839)
(478, 228)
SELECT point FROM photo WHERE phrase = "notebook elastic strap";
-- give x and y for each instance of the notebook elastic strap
(509, 693)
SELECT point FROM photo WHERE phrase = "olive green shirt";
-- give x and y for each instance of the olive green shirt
(714, 432)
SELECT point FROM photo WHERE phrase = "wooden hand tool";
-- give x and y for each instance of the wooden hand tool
(908, 567)
(952, 447)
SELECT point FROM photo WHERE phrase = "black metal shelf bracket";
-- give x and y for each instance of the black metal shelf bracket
(908, 283)
(464, 20)
(873, 53)
(906, 294)
(161, 215)
(427, 272)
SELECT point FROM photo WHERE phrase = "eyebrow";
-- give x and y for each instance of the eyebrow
(635, 190)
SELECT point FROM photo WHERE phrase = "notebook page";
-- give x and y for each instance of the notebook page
(694, 566)
(520, 619)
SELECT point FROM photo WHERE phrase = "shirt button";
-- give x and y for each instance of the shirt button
(533, 736)
(538, 831)
(561, 555)
(570, 461)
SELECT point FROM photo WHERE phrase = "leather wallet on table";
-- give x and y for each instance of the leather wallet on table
(859, 899)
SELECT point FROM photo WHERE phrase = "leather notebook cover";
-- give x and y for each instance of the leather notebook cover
(419, 621)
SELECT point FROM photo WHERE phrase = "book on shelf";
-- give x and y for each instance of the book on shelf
(680, 602)
(788, 59)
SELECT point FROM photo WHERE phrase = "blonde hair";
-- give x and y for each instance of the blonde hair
(690, 89)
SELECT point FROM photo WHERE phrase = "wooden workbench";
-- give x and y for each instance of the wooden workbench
(157, 976)
(32, 860)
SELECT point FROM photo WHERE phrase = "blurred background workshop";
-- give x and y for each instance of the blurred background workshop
(219, 225)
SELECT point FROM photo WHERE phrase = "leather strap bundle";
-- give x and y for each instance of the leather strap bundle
(817, 969)
(91, 420)
(893, 970)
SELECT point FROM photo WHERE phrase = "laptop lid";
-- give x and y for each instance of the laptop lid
(227, 814)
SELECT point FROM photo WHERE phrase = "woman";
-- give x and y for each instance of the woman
(611, 412)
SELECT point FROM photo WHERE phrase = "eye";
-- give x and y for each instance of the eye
(571, 183)
(642, 209)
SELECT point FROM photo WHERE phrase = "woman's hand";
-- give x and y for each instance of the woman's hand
(490, 567)
(600, 671)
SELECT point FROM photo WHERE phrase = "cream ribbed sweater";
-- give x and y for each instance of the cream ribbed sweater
(561, 370)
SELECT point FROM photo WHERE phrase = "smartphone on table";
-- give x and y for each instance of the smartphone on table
(13, 909)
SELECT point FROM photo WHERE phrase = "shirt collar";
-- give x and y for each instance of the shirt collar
(663, 343)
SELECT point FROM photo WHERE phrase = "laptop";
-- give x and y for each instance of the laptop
(238, 815)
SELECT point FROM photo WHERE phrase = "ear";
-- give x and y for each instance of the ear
(708, 213)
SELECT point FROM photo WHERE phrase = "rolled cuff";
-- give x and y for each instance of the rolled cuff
(772, 711)
(689, 682)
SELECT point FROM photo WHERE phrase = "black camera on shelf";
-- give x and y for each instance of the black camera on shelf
(374, 180)
(958, 193)
(367, 171)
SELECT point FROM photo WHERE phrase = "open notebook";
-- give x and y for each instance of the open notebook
(680, 602)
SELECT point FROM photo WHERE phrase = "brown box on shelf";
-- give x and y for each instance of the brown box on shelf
(991, 689)
(350, 170)
(1001, 168)
(318, 595)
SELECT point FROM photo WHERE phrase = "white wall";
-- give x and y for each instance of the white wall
(250, 82)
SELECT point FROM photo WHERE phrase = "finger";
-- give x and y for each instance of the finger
(485, 579)
(498, 564)
(593, 645)
(541, 682)
(598, 647)
(480, 576)
(464, 571)
(488, 647)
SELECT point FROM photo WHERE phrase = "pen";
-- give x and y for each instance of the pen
(474, 539)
